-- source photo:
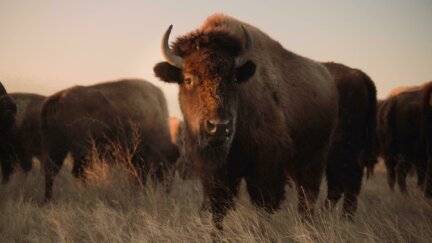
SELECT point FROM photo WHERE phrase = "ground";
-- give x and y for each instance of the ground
(111, 207)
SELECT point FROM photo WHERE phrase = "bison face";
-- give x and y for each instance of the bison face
(208, 78)
(8, 110)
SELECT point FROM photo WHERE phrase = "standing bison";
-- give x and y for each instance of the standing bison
(400, 135)
(114, 112)
(23, 140)
(8, 110)
(427, 136)
(252, 110)
(352, 147)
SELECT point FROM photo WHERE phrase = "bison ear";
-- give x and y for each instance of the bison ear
(245, 72)
(168, 73)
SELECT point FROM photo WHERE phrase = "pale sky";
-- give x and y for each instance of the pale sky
(48, 45)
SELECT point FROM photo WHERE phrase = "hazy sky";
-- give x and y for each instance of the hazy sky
(48, 45)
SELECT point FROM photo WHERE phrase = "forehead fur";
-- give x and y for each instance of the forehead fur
(214, 40)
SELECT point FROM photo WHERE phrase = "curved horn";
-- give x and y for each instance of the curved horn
(169, 56)
(244, 56)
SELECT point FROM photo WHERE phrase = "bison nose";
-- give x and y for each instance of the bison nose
(218, 127)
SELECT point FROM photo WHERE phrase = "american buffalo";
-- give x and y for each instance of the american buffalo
(75, 119)
(8, 110)
(352, 146)
(23, 140)
(252, 110)
(400, 135)
(427, 135)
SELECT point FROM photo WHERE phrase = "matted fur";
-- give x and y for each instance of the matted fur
(110, 112)
(23, 140)
(283, 116)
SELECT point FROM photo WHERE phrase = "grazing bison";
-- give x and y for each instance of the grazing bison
(427, 136)
(400, 135)
(23, 140)
(352, 146)
(252, 110)
(112, 112)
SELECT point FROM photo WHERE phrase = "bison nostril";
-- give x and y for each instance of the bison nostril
(211, 127)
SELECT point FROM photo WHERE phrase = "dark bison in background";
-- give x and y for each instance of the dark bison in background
(401, 142)
(23, 140)
(75, 119)
(427, 135)
(252, 110)
(8, 110)
(352, 147)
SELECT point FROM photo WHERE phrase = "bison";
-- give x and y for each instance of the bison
(352, 146)
(75, 119)
(23, 140)
(252, 110)
(427, 136)
(8, 110)
(400, 135)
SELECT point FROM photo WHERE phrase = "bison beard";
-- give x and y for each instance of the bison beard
(276, 111)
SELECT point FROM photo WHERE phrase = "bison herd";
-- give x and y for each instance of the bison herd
(252, 110)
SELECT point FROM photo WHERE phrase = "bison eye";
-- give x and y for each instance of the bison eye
(188, 81)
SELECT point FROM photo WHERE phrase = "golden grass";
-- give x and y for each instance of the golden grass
(110, 207)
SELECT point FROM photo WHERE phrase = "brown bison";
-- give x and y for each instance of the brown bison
(8, 110)
(252, 110)
(23, 140)
(352, 146)
(400, 135)
(75, 119)
(427, 136)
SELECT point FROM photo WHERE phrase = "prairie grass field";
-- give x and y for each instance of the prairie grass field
(111, 207)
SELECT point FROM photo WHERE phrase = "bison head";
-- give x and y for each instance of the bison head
(8, 109)
(209, 67)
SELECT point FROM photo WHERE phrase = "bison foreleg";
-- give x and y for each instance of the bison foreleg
(220, 194)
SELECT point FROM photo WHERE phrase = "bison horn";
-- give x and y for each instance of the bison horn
(244, 56)
(169, 56)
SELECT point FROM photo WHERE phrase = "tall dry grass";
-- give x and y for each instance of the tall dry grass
(111, 207)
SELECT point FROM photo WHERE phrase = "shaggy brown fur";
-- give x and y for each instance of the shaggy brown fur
(401, 143)
(112, 112)
(23, 141)
(352, 147)
(280, 110)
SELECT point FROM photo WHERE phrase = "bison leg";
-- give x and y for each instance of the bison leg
(334, 189)
(7, 170)
(402, 170)
(421, 173)
(352, 189)
(308, 186)
(267, 191)
(220, 194)
(390, 163)
(78, 167)
(52, 165)
(428, 182)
